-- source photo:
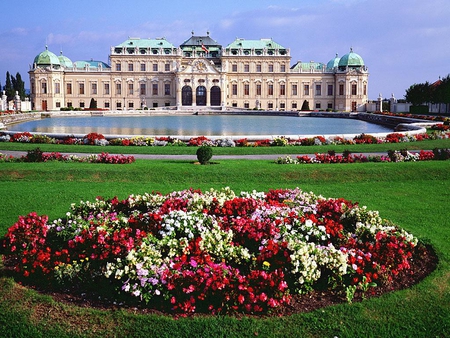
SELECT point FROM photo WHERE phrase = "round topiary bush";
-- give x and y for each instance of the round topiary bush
(204, 154)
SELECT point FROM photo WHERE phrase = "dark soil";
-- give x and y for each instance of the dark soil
(424, 262)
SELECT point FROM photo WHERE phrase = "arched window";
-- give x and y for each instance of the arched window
(201, 96)
(215, 96)
(186, 96)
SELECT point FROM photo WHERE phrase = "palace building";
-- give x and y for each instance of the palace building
(200, 73)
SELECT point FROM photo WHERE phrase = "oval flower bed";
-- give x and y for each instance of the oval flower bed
(214, 251)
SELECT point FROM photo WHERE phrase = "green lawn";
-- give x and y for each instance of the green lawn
(414, 195)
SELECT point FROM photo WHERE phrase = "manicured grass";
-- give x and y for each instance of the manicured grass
(413, 195)
(177, 150)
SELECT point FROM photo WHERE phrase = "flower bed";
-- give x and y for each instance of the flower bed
(441, 132)
(36, 155)
(212, 252)
(392, 156)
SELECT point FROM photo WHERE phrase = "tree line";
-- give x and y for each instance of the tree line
(14, 84)
(426, 93)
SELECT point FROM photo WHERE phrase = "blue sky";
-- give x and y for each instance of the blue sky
(402, 42)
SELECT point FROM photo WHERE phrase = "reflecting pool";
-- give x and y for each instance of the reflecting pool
(198, 125)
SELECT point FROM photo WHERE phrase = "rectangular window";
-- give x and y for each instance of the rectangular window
(93, 88)
(69, 89)
(81, 88)
(258, 68)
(341, 89)
(167, 67)
(283, 68)
(155, 67)
(246, 68)
(107, 104)
(81, 104)
(131, 105)
(234, 68)
(246, 89)
(330, 106)
(270, 68)
(270, 89)
(118, 89)
(154, 89)
(294, 90)
(270, 105)
(69, 104)
(118, 105)
(44, 87)
(330, 90)
(234, 89)
(58, 104)
(57, 88)
(106, 89)
(118, 67)
(365, 90)
(318, 105)
(282, 105)
(155, 104)
(306, 90)
(142, 89)
(282, 89)
(246, 105)
(354, 91)
(318, 90)
(294, 105)
(258, 89)
(130, 67)
(167, 89)
(142, 67)
(130, 89)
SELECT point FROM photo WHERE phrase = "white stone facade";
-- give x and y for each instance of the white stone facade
(199, 74)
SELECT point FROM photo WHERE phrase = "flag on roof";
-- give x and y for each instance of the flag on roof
(204, 48)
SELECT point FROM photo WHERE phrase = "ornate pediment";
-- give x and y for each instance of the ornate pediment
(200, 66)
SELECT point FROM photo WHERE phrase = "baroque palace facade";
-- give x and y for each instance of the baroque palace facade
(153, 73)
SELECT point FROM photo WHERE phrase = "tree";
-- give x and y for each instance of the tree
(418, 94)
(9, 89)
(19, 86)
(305, 105)
(93, 104)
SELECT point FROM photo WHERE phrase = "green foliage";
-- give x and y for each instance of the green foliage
(305, 105)
(93, 104)
(204, 154)
(34, 155)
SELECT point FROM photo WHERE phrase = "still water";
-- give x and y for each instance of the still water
(198, 125)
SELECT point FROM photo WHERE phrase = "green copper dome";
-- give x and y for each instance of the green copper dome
(47, 58)
(65, 61)
(333, 63)
(351, 60)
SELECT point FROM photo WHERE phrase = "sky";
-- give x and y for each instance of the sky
(402, 42)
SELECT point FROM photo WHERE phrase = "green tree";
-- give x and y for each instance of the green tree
(419, 94)
(305, 105)
(9, 89)
(441, 93)
(93, 104)
(19, 86)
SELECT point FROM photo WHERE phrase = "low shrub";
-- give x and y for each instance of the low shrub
(204, 154)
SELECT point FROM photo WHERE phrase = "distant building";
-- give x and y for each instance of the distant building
(151, 73)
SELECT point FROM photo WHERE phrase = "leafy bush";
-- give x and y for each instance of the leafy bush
(204, 154)
(34, 155)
